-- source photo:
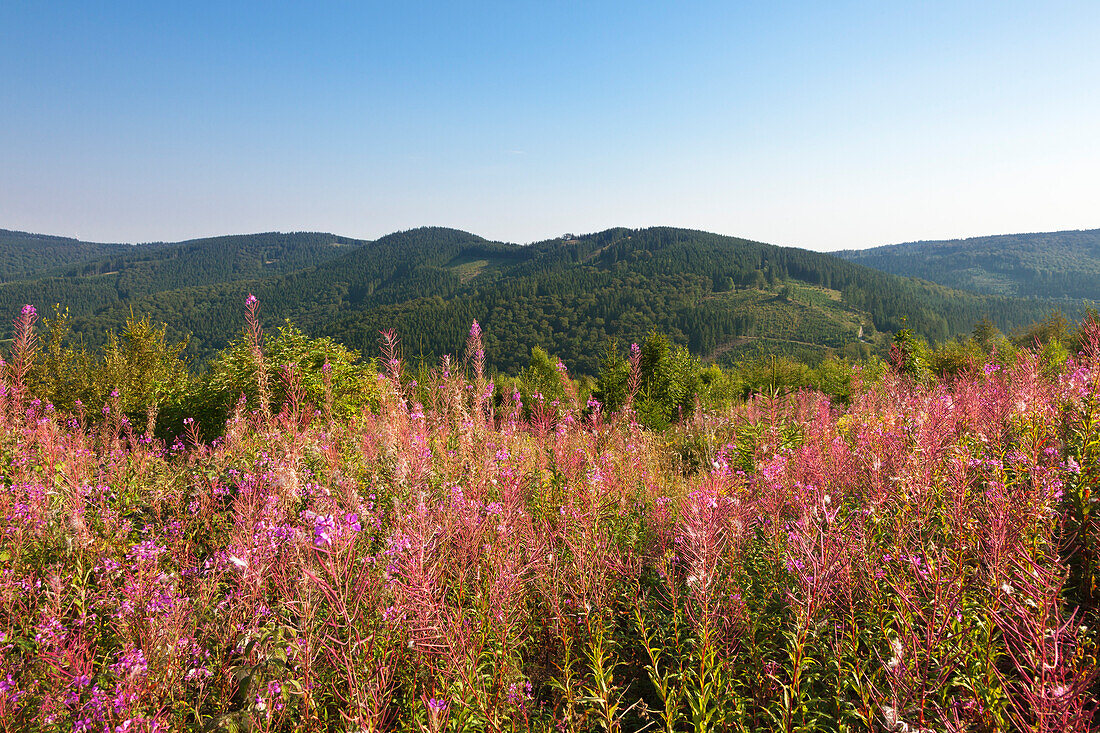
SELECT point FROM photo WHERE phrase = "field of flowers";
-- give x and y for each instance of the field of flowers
(923, 559)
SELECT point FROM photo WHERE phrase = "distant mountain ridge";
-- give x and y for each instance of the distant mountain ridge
(1039, 265)
(723, 297)
(86, 277)
(23, 254)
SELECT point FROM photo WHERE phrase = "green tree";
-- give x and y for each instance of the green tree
(541, 380)
(670, 382)
(145, 368)
(347, 384)
(954, 357)
(140, 367)
(985, 334)
(611, 384)
(909, 354)
(63, 371)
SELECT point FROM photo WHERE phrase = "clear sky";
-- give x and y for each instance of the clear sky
(815, 124)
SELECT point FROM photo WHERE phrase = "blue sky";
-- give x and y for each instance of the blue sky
(820, 125)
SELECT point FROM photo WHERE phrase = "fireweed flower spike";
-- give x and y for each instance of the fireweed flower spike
(255, 343)
(475, 351)
(23, 349)
(635, 379)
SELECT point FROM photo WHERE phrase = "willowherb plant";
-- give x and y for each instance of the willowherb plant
(899, 563)
(326, 380)
(1051, 689)
(255, 345)
(475, 351)
(23, 351)
(295, 409)
(390, 349)
(926, 639)
(634, 381)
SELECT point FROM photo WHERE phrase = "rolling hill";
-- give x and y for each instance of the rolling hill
(87, 278)
(1044, 265)
(723, 297)
(24, 255)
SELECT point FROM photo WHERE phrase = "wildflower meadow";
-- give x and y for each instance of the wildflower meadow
(922, 558)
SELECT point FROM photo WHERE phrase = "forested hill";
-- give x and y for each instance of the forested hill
(88, 278)
(1044, 265)
(23, 254)
(721, 296)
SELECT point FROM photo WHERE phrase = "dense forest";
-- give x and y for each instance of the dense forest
(1045, 265)
(23, 254)
(721, 297)
(86, 278)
